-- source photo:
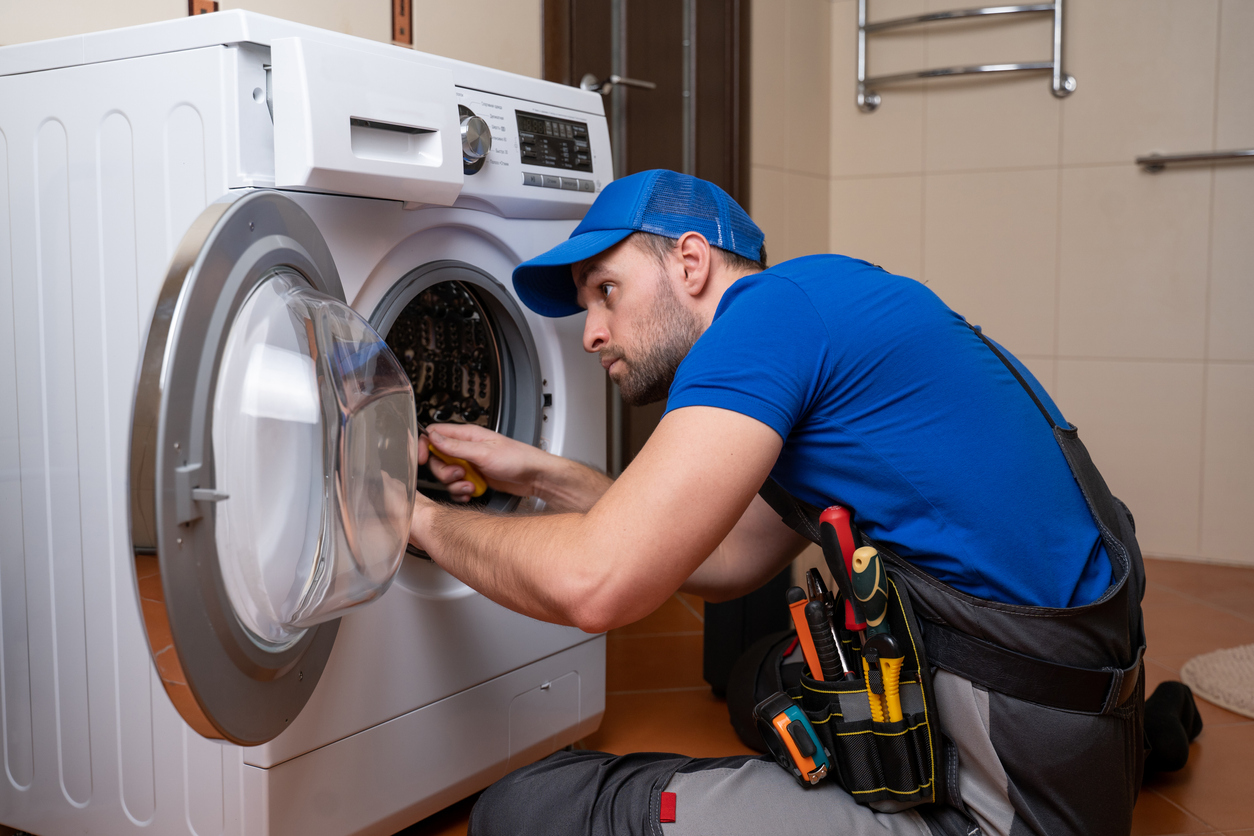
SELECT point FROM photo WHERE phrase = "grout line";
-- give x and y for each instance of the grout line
(1188, 813)
(1195, 361)
(681, 689)
(1210, 259)
(690, 608)
(675, 634)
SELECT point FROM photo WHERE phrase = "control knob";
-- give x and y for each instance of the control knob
(476, 140)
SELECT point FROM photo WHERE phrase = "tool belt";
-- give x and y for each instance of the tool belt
(890, 765)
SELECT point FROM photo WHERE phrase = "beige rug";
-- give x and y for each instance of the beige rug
(1224, 677)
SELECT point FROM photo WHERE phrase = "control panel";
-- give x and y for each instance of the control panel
(524, 157)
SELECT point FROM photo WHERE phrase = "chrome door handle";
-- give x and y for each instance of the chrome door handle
(604, 86)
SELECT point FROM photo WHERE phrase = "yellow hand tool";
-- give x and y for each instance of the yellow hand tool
(472, 476)
(870, 586)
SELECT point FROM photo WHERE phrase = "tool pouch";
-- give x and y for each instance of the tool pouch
(885, 765)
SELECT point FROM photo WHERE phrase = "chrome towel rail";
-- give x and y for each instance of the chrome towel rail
(1155, 163)
(869, 99)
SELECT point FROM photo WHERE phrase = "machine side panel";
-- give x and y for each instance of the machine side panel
(15, 695)
(118, 327)
(114, 162)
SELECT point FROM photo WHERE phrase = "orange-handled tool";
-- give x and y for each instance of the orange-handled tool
(472, 476)
(797, 607)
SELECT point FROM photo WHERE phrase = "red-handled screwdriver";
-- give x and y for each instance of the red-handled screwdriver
(836, 536)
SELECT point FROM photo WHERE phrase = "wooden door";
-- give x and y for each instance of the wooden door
(695, 121)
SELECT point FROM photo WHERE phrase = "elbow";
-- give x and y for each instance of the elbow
(604, 606)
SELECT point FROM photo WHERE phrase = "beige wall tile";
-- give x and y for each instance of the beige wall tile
(807, 216)
(506, 34)
(366, 20)
(1133, 262)
(990, 244)
(1145, 74)
(768, 106)
(1142, 423)
(1235, 116)
(1232, 265)
(1228, 486)
(880, 219)
(807, 86)
(998, 120)
(769, 209)
(890, 140)
(22, 22)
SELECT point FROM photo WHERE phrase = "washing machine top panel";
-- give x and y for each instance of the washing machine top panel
(244, 27)
(272, 470)
(321, 111)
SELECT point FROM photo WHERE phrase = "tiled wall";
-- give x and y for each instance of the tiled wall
(1130, 295)
(505, 34)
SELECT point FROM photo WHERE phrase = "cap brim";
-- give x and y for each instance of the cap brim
(544, 283)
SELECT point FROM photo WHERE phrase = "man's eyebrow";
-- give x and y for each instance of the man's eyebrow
(586, 272)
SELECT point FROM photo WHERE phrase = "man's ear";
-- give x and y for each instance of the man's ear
(693, 252)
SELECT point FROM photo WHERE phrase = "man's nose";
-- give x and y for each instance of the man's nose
(595, 334)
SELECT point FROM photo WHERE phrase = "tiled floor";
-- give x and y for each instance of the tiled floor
(656, 700)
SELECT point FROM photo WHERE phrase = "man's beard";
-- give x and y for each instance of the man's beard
(667, 338)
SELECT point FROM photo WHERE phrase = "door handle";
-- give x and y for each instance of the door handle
(605, 85)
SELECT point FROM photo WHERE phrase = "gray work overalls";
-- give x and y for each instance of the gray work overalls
(1043, 709)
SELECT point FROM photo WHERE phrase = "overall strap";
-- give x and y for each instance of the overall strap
(1014, 371)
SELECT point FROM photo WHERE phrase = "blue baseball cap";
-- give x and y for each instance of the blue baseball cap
(662, 202)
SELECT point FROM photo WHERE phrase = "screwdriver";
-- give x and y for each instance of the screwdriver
(472, 476)
(870, 585)
(836, 536)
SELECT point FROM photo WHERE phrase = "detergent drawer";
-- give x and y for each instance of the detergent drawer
(389, 776)
(360, 123)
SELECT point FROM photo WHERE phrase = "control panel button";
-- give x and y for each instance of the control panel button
(570, 183)
(530, 179)
(551, 182)
(587, 185)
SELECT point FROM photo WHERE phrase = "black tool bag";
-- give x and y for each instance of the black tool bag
(887, 765)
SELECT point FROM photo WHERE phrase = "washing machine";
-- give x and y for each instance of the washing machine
(238, 258)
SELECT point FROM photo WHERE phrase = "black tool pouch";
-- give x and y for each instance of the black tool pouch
(885, 765)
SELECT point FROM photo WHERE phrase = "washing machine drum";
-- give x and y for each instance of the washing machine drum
(466, 348)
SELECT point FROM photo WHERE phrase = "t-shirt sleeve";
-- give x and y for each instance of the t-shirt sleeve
(763, 356)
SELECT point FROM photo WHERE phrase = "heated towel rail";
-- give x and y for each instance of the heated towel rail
(869, 99)
(1156, 162)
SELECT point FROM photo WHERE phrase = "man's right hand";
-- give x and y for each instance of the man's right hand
(511, 466)
(506, 464)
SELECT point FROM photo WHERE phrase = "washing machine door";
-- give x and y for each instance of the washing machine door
(272, 472)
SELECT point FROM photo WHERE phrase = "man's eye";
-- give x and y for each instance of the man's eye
(605, 289)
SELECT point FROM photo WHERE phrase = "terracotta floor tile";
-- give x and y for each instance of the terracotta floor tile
(1215, 784)
(1184, 627)
(1229, 587)
(692, 723)
(1157, 671)
(695, 602)
(672, 617)
(642, 663)
(1156, 816)
(451, 821)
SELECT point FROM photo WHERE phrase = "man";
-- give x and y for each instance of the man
(843, 383)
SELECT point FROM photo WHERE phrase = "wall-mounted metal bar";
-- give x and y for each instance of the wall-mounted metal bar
(869, 99)
(1156, 162)
(956, 14)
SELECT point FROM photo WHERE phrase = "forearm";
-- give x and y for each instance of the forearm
(567, 485)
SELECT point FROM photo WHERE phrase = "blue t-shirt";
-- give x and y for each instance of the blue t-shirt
(888, 403)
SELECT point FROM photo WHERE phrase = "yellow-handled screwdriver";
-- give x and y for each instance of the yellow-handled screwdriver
(472, 476)
(870, 586)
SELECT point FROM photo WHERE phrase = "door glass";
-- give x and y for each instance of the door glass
(315, 445)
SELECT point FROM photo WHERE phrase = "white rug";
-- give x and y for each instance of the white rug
(1224, 677)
